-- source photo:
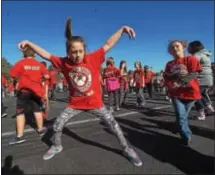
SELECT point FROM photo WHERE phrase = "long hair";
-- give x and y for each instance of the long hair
(120, 66)
(139, 63)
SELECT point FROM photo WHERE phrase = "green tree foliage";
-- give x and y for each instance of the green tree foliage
(5, 67)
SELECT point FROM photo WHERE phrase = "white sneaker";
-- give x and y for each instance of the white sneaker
(111, 109)
(210, 108)
(201, 116)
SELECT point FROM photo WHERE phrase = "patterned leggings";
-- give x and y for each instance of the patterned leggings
(103, 113)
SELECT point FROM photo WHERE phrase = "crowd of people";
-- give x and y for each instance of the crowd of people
(185, 81)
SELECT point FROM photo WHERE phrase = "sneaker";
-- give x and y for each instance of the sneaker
(185, 142)
(142, 104)
(111, 109)
(4, 115)
(210, 108)
(133, 157)
(42, 131)
(52, 152)
(201, 116)
(17, 140)
(117, 108)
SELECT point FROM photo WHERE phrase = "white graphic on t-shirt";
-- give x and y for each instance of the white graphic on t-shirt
(176, 69)
(81, 79)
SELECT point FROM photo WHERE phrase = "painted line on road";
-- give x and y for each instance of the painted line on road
(162, 107)
(81, 121)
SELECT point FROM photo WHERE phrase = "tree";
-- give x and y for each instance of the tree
(5, 67)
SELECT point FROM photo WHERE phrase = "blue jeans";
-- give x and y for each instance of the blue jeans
(182, 110)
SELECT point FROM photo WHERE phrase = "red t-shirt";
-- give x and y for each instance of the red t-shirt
(11, 87)
(148, 77)
(123, 79)
(3, 81)
(53, 75)
(138, 77)
(111, 72)
(188, 93)
(30, 73)
(83, 79)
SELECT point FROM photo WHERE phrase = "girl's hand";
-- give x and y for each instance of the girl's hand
(22, 45)
(175, 85)
(130, 31)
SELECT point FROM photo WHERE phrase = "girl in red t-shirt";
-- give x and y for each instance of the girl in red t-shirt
(111, 75)
(139, 81)
(82, 72)
(181, 79)
(124, 87)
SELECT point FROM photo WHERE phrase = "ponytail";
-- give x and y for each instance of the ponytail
(68, 29)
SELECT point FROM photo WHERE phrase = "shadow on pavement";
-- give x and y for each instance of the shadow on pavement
(167, 149)
(150, 112)
(171, 126)
(47, 140)
(9, 169)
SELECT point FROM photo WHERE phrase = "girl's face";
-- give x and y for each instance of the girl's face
(123, 65)
(177, 50)
(76, 52)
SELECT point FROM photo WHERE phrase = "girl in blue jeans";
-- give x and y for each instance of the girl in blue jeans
(183, 88)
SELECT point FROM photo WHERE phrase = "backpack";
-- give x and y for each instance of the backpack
(112, 84)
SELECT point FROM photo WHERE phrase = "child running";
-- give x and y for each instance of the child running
(183, 87)
(82, 73)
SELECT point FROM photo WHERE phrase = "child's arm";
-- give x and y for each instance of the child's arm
(116, 36)
(47, 96)
(40, 51)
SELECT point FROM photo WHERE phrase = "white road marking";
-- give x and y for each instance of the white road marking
(81, 121)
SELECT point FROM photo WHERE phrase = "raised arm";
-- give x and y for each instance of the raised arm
(37, 49)
(116, 36)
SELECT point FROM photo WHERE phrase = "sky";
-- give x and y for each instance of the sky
(155, 24)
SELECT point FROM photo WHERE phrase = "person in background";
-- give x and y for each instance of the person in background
(65, 87)
(3, 86)
(148, 74)
(181, 79)
(11, 87)
(139, 82)
(45, 100)
(156, 82)
(111, 78)
(29, 73)
(53, 82)
(205, 77)
(131, 81)
(124, 87)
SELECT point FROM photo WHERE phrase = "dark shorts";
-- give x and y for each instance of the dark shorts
(27, 102)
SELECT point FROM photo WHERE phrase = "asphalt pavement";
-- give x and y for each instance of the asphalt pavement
(89, 148)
